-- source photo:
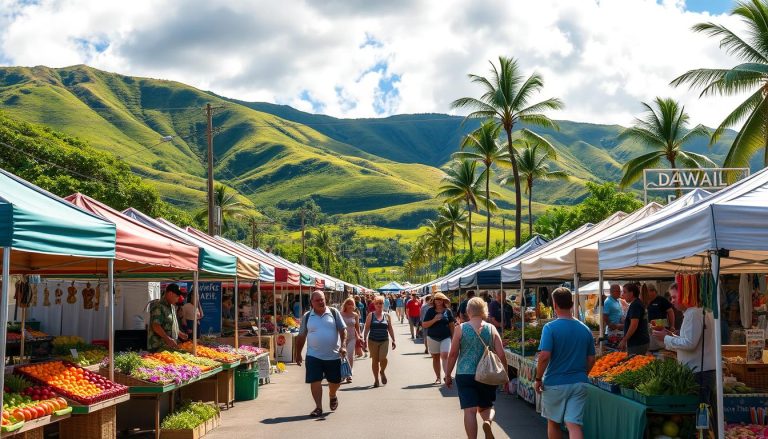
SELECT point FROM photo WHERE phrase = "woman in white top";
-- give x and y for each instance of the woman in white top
(188, 313)
(351, 318)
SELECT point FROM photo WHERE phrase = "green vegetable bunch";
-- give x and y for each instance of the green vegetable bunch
(668, 377)
(632, 378)
(189, 416)
(127, 362)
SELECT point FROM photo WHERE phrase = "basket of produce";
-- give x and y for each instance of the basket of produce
(752, 375)
(73, 382)
(23, 402)
(133, 370)
(213, 354)
(606, 362)
(668, 386)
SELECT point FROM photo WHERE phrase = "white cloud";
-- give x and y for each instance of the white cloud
(601, 57)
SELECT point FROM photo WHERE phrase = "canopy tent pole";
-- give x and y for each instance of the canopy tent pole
(600, 311)
(22, 346)
(237, 306)
(258, 305)
(718, 347)
(522, 316)
(301, 305)
(195, 285)
(577, 306)
(4, 299)
(111, 325)
(274, 304)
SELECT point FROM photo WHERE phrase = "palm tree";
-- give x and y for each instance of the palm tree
(554, 222)
(505, 98)
(486, 150)
(665, 130)
(533, 166)
(462, 184)
(455, 217)
(325, 241)
(231, 207)
(751, 75)
(437, 238)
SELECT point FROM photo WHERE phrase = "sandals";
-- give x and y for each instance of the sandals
(334, 403)
(383, 379)
(438, 381)
(316, 413)
(376, 384)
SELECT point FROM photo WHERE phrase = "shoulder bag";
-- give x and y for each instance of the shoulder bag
(490, 370)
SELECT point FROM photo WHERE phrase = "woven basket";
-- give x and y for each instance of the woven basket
(101, 424)
(753, 375)
(36, 433)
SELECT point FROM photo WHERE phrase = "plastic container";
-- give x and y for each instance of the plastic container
(246, 384)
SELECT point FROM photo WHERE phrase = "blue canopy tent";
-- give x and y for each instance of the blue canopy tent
(391, 287)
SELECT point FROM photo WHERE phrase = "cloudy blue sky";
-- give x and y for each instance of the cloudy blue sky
(358, 58)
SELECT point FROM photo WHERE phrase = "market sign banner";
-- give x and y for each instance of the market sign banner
(210, 303)
(672, 180)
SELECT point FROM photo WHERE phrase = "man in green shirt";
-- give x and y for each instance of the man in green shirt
(163, 331)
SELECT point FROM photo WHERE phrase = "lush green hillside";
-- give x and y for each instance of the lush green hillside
(375, 171)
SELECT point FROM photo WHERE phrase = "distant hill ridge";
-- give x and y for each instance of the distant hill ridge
(382, 171)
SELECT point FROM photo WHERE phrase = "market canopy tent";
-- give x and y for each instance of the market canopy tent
(511, 272)
(451, 282)
(139, 249)
(392, 286)
(429, 286)
(264, 272)
(489, 276)
(210, 260)
(578, 256)
(282, 275)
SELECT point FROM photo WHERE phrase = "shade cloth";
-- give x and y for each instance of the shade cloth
(210, 260)
(511, 272)
(49, 230)
(139, 248)
(733, 219)
(451, 283)
(392, 286)
(283, 275)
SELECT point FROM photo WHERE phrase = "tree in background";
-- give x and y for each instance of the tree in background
(533, 166)
(749, 76)
(664, 130)
(506, 99)
(325, 241)
(227, 200)
(554, 222)
(437, 238)
(482, 146)
(455, 217)
(462, 183)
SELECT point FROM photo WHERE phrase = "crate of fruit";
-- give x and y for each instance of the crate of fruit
(73, 382)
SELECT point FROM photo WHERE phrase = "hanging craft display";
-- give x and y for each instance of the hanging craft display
(72, 294)
(46, 296)
(97, 297)
(33, 292)
(58, 293)
(88, 294)
(23, 294)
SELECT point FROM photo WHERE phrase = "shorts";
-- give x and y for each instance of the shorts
(318, 369)
(473, 393)
(438, 346)
(415, 321)
(378, 350)
(564, 402)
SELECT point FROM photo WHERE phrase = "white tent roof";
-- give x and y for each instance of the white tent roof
(580, 254)
(734, 219)
(511, 272)
(452, 283)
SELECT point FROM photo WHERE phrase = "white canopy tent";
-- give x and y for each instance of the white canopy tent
(728, 228)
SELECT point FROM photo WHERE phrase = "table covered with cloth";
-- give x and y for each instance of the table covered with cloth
(608, 415)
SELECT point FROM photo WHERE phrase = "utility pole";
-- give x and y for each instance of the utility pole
(504, 231)
(211, 201)
(253, 233)
(303, 241)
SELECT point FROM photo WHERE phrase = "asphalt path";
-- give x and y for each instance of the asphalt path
(409, 406)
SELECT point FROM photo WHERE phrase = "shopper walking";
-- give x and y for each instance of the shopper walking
(421, 331)
(439, 322)
(351, 319)
(467, 348)
(566, 354)
(378, 331)
(400, 307)
(324, 331)
(636, 336)
(413, 309)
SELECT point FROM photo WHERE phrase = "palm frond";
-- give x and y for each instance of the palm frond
(737, 115)
(633, 169)
(750, 139)
(732, 43)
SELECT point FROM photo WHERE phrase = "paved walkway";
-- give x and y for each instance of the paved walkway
(409, 406)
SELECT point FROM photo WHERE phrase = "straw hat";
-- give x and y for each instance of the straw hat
(440, 296)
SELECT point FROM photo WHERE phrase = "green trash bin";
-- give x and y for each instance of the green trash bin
(246, 384)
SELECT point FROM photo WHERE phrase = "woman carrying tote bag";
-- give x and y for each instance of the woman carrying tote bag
(468, 350)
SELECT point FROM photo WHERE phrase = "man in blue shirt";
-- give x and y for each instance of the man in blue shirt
(567, 353)
(324, 331)
(612, 315)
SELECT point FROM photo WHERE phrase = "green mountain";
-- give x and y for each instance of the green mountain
(380, 171)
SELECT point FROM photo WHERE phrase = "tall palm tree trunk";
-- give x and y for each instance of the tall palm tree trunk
(469, 227)
(678, 192)
(530, 217)
(516, 176)
(488, 209)
(453, 239)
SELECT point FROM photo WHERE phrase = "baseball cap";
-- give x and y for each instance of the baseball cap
(174, 288)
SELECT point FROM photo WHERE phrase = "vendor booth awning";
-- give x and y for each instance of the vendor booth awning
(452, 283)
(391, 287)
(210, 260)
(511, 272)
(48, 230)
(282, 275)
(734, 219)
(139, 248)
(579, 255)
(319, 280)
(489, 276)
(246, 261)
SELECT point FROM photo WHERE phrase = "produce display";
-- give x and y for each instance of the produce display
(668, 377)
(737, 388)
(290, 322)
(73, 382)
(745, 431)
(24, 402)
(606, 362)
(189, 416)
(213, 354)
(184, 358)
(244, 351)
(632, 364)
(154, 370)
(87, 358)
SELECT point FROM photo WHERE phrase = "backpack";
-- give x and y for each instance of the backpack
(305, 318)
